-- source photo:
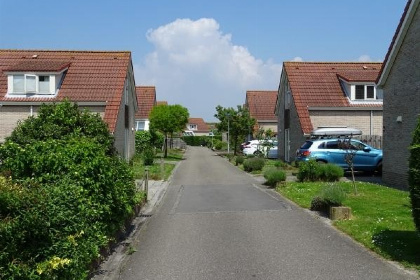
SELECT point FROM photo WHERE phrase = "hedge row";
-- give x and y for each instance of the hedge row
(66, 197)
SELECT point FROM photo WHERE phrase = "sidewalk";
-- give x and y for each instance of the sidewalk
(110, 268)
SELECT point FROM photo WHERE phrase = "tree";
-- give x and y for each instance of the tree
(414, 175)
(239, 121)
(168, 119)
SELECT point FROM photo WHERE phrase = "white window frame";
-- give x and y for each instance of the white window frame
(192, 127)
(365, 86)
(51, 84)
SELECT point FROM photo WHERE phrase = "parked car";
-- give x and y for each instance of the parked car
(334, 150)
(273, 153)
(258, 147)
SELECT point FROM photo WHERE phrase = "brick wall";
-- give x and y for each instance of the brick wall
(11, 114)
(401, 98)
(369, 122)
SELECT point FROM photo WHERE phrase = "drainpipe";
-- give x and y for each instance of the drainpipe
(371, 122)
(32, 111)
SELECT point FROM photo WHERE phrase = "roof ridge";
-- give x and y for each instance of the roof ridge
(52, 50)
(332, 62)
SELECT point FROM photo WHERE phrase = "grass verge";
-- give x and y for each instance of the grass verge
(161, 169)
(381, 221)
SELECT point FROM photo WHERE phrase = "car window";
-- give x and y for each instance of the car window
(357, 145)
(332, 145)
(321, 146)
(306, 145)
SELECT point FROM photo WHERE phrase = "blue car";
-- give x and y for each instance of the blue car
(335, 150)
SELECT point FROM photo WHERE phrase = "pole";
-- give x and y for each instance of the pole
(146, 181)
(228, 136)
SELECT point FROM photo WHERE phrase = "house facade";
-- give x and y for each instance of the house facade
(400, 81)
(146, 99)
(198, 126)
(261, 105)
(102, 82)
(324, 94)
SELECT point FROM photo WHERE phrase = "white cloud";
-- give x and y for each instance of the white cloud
(297, 59)
(364, 58)
(194, 64)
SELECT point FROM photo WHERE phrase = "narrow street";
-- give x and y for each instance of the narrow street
(217, 222)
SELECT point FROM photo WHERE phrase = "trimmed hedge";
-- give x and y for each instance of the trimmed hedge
(315, 171)
(274, 176)
(254, 164)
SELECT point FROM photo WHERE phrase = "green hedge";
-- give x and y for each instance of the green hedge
(66, 197)
(254, 164)
(315, 171)
(201, 140)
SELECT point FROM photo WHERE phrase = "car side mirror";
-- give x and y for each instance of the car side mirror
(366, 149)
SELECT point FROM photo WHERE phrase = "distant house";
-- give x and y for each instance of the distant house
(146, 100)
(400, 81)
(261, 106)
(100, 81)
(317, 94)
(197, 126)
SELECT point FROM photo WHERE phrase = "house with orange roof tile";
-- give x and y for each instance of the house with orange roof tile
(100, 81)
(198, 126)
(324, 94)
(262, 106)
(146, 99)
(400, 81)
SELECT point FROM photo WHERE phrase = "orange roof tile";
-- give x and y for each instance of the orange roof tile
(91, 75)
(261, 105)
(201, 125)
(317, 84)
(146, 100)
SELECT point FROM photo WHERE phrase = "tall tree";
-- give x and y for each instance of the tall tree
(239, 122)
(168, 119)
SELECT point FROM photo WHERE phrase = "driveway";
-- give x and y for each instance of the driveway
(217, 222)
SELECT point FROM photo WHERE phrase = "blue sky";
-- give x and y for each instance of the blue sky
(201, 54)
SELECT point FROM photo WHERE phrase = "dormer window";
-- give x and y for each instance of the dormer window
(28, 83)
(192, 127)
(364, 92)
(35, 77)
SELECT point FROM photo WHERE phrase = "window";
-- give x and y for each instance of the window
(140, 125)
(26, 83)
(192, 126)
(364, 92)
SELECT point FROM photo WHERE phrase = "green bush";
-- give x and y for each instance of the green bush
(148, 156)
(330, 195)
(239, 160)
(414, 175)
(330, 172)
(274, 176)
(62, 121)
(315, 171)
(280, 164)
(308, 171)
(254, 164)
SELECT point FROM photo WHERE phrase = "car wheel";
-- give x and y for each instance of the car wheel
(379, 168)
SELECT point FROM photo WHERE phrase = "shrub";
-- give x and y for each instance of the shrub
(254, 164)
(239, 160)
(274, 176)
(330, 172)
(330, 195)
(280, 164)
(308, 171)
(414, 175)
(148, 156)
(62, 121)
(143, 141)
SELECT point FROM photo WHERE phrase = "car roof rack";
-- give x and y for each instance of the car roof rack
(335, 132)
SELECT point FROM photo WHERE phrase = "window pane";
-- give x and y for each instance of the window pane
(44, 84)
(18, 83)
(30, 83)
(360, 92)
(140, 125)
(370, 93)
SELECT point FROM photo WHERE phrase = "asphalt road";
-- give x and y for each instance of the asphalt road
(217, 222)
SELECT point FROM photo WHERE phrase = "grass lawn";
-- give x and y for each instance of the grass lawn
(161, 168)
(381, 221)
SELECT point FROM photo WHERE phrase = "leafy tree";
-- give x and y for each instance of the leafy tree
(168, 119)
(414, 175)
(240, 123)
